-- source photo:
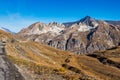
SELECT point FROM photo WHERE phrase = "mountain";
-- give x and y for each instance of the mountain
(88, 20)
(6, 30)
(35, 61)
(41, 28)
(113, 22)
(83, 36)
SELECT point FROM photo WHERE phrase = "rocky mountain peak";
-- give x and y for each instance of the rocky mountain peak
(86, 18)
(40, 28)
(53, 23)
(85, 24)
(89, 21)
(37, 25)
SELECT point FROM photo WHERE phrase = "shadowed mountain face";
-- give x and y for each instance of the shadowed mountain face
(84, 36)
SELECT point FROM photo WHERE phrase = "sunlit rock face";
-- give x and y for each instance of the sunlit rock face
(40, 28)
(84, 36)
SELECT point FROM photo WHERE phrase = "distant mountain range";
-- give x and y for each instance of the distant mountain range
(113, 22)
(87, 17)
(83, 36)
(6, 30)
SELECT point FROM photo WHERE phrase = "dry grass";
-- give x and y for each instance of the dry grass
(112, 54)
(99, 70)
(5, 36)
(42, 55)
(31, 66)
(39, 59)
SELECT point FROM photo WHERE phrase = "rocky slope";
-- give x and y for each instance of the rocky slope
(84, 36)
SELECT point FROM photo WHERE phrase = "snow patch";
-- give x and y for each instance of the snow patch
(85, 27)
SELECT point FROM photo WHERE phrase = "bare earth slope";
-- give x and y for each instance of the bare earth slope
(7, 69)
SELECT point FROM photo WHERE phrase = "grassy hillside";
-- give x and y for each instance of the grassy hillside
(36, 61)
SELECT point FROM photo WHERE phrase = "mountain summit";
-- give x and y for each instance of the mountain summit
(89, 21)
(86, 20)
(41, 28)
(83, 36)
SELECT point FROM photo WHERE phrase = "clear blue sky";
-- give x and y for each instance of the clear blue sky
(16, 14)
